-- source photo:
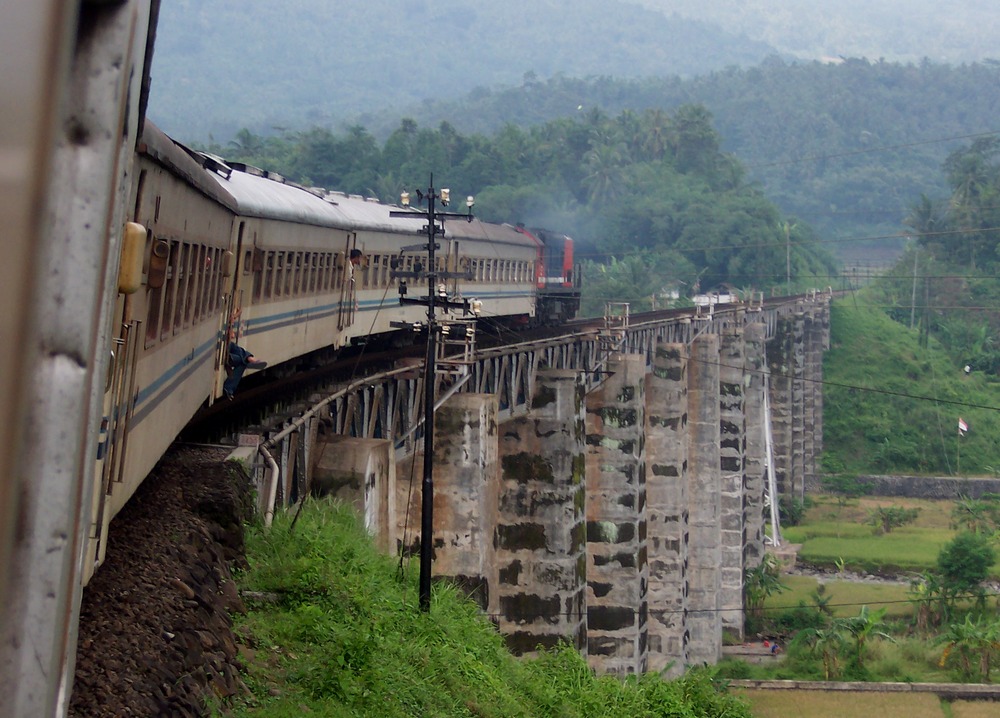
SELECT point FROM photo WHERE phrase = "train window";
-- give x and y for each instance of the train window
(247, 261)
(269, 275)
(183, 283)
(257, 290)
(170, 287)
(211, 279)
(200, 267)
(307, 272)
(297, 280)
(280, 269)
(289, 274)
(154, 302)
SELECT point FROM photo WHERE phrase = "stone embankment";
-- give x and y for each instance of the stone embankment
(947, 691)
(921, 487)
(156, 638)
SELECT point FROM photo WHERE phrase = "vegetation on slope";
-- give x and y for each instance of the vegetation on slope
(891, 405)
(895, 393)
(340, 634)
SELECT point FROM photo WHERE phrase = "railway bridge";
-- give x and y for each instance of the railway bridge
(608, 487)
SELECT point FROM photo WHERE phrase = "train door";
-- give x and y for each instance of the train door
(246, 259)
(348, 275)
(119, 385)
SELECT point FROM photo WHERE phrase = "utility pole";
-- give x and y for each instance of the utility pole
(437, 296)
(913, 294)
(788, 258)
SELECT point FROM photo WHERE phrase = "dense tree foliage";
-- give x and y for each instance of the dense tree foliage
(653, 201)
(946, 283)
(845, 147)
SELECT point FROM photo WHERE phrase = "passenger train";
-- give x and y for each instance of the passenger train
(217, 252)
(130, 263)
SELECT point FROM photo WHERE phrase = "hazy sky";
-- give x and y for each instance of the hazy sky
(946, 31)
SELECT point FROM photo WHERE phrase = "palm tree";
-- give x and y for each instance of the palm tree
(761, 582)
(605, 173)
(862, 627)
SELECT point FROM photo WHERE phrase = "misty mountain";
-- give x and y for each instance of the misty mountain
(952, 31)
(221, 65)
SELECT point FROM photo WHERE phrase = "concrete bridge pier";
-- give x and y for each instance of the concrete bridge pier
(732, 465)
(466, 491)
(541, 547)
(361, 472)
(667, 507)
(755, 363)
(617, 571)
(704, 497)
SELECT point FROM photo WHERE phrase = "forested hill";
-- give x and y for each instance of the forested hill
(846, 147)
(221, 65)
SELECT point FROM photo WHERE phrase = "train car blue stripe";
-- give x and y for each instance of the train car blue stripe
(175, 375)
(179, 379)
(195, 355)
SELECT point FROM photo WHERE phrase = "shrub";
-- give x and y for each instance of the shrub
(883, 519)
(791, 510)
(965, 561)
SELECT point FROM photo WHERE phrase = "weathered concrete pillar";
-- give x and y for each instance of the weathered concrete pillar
(617, 571)
(755, 474)
(466, 482)
(732, 466)
(813, 340)
(667, 507)
(361, 472)
(541, 532)
(704, 503)
(802, 406)
(780, 358)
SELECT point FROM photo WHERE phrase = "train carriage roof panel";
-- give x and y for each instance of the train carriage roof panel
(178, 160)
(267, 198)
(497, 234)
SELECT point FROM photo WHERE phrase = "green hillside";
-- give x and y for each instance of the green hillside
(891, 405)
(340, 634)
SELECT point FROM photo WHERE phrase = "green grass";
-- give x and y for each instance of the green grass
(345, 637)
(845, 597)
(832, 532)
(883, 409)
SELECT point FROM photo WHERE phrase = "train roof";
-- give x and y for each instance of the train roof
(177, 160)
(253, 192)
(486, 231)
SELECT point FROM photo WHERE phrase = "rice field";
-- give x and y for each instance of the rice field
(834, 532)
(838, 704)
